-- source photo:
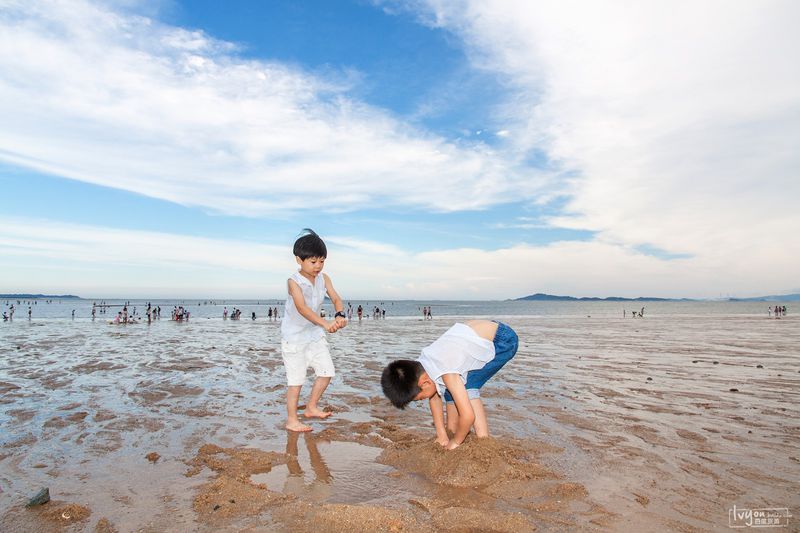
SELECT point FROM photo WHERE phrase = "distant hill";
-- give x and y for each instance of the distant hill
(540, 297)
(39, 296)
(771, 298)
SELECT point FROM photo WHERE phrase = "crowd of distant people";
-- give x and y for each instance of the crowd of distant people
(180, 313)
(377, 313)
(130, 315)
(634, 313)
(236, 314)
(778, 311)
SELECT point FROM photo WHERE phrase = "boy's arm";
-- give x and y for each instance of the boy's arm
(437, 411)
(466, 415)
(336, 300)
(305, 311)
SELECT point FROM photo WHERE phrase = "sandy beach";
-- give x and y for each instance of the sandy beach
(599, 424)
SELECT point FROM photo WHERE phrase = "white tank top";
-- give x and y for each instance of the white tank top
(458, 351)
(295, 328)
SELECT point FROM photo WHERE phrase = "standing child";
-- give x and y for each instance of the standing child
(303, 341)
(455, 367)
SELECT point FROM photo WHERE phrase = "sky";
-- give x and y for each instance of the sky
(443, 149)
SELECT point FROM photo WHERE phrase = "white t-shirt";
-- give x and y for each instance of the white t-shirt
(296, 328)
(458, 351)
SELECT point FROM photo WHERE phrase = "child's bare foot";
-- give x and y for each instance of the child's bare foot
(316, 413)
(297, 426)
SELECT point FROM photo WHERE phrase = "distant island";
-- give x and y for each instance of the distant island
(540, 297)
(39, 296)
(771, 298)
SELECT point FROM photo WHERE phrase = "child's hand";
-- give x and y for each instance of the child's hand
(442, 441)
(341, 321)
(452, 445)
(333, 327)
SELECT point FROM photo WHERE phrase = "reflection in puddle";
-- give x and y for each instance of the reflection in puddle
(329, 471)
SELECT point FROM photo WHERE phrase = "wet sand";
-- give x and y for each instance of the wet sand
(599, 424)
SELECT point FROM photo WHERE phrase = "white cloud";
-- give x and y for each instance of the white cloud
(127, 102)
(50, 256)
(679, 120)
(120, 247)
(679, 124)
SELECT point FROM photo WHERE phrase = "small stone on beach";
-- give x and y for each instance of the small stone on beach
(152, 457)
(759, 366)
(734, 390)
(41, 497)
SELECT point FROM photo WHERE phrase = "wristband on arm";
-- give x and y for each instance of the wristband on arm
(339, 314)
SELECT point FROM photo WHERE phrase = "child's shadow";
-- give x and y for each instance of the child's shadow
(319, 489)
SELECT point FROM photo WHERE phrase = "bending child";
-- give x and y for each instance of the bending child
(303, 342)
(455, 367)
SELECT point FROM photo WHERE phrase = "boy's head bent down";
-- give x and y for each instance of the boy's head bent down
(404, 380)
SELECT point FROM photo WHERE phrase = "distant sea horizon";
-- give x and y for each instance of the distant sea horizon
(532, 297)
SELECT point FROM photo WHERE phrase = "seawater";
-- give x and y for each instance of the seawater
(208, 309)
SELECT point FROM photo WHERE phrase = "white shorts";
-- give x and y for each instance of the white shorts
(298, 357)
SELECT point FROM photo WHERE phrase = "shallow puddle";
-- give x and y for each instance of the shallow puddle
(330, 472)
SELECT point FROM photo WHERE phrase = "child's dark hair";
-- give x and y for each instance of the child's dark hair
(400, 381)
(310, 245)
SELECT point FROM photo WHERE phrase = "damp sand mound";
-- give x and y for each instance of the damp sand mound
(494, 485)
(231, 493)
(478, 463)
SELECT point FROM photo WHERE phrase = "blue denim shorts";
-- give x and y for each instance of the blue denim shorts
(506, 343)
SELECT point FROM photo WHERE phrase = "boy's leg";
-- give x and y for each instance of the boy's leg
(319, 357)
(295, 366)
(452, 417)
(292, 422)
(480, 425)
(312, 409)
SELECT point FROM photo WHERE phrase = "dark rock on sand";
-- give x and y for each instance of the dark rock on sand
(41, 497)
